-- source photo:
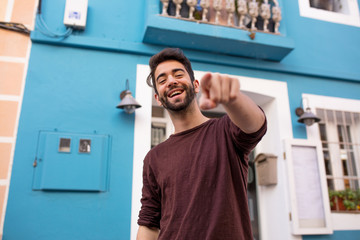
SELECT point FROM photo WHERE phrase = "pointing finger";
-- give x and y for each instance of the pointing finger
(205, 82)
(235, 88)
(225, 88)
(215, 89)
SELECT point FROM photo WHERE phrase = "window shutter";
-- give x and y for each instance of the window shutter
(310, 209)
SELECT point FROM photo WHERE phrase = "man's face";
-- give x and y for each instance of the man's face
(175, 89)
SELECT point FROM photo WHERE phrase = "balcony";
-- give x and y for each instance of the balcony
(247, 15)
(246, 28)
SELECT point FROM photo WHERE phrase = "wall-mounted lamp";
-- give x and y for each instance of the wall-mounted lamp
(128, 102)
(306, 117)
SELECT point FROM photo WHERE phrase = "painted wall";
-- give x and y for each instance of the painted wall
(14, 56)
(321, 47)
(73, 85)
(77, 92)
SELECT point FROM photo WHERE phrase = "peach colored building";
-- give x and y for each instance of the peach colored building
(14, 56)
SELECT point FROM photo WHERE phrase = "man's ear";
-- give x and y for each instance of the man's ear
(196, 85)
(157, 99)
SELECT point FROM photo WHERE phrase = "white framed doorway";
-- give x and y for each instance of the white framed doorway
(272, 96)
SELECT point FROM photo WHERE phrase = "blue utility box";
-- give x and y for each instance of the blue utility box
(71, 162)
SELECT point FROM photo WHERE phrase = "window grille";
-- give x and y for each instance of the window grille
(339, 134)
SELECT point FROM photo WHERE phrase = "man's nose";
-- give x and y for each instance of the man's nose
(172, 80)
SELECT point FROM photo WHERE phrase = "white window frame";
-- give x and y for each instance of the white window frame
(341, 221)
(351, 18)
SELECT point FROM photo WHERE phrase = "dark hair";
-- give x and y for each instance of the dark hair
(165, 55)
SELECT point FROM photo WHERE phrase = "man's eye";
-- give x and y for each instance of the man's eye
(178, 75)
(161, 81)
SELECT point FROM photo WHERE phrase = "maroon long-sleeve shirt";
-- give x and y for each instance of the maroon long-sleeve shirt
(194, 183)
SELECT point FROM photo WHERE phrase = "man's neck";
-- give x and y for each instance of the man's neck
(187, 119)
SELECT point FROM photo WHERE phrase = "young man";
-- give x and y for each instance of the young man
(194, 183)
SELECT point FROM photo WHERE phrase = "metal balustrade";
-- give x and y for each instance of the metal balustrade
(250, 15)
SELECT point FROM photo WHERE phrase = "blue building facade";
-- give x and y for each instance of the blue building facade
(73, 85)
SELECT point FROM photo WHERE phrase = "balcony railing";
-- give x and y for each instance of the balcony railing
(250, 15)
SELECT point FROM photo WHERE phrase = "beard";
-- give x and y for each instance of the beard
(179, 106)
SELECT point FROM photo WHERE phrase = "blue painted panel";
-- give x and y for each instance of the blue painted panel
(80, 166)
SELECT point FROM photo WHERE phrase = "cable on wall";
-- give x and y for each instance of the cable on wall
(44, 29)
(17, 27)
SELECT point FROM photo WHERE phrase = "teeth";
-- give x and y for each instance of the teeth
(175, 93)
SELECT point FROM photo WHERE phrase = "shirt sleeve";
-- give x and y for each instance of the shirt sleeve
(150, 212)
(243, 141)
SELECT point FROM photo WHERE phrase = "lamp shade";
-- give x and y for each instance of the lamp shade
(308, 118)
(128, 103)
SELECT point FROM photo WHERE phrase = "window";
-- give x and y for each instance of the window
(339, 133)
(161, 125)
(336, 11)
(339, 6)
(64, 145)
(85, 146)
(341, 148)
(158, 133)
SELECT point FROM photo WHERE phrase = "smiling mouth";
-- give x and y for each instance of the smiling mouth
(175, 93)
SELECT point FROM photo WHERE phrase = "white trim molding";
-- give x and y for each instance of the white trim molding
(350, 16)
(13, 59)
(9, 10)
